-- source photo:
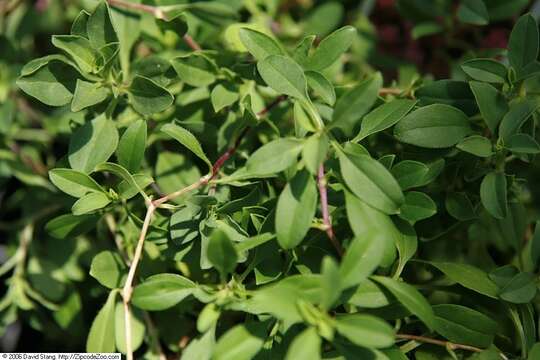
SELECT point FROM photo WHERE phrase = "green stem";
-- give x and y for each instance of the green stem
(517, 323)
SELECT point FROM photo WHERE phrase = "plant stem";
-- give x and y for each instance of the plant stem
(157, 13)
(446, 344)
(390, 91)
(128, 287)
(321, 182)
(153, 205)
(152, 10)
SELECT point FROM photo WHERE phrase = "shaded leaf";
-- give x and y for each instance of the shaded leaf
(162, 291)
(101, 337)
(493, 194)
(92, 144)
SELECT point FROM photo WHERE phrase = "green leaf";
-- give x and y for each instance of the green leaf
(468, 276)
(99, 27)
(101, 336)
(362, 257)
(502, 9)
(486, 70)
(519, 112)
(305, 346)
(493, 194)
(522, 144)
(365, 220)
(195, 69)
(70, 226)
(369, 295)
(459, 206)
(223, 96)
(521, 289)
(280, 299)
(80, 50)
(109, 269)
(130, 152)
(534, 353)
(175, 171)
(74, 183)
(454, 93)
(410, 174)
(523, 42)
(88, 94)
(274, 157)
(501, 276)
(365, 330)
(321, 86)
(79, 24)
(147, 97)
(314, 151)
(52, 82)
(356, 102)
(200, 348)
(214, 12)
(476, 145)
(90, 202)
(221, 252)
(304, 119)
(331, 48)
(295, 210)
(208, 317)
(330, 281)
(417, 206)
(162, 291)
(301, 51)
(92, 144)
(187, 139)
(137, 328)
(371, 182)
(123, 174)
(410, 298)
(127, 25)
(127, 190)
(383, 117)
(259, 44)
(473, 12)
(433, 126)
(463, 325)
(406, 243)
(241, 342)
(284, 76)
(492, 104)
(426, 28)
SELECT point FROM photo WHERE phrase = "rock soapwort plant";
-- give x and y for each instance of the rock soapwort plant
(252, 196)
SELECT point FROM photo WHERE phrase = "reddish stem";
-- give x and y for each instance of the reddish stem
(191, 43)
(321, 182)
(232, 150)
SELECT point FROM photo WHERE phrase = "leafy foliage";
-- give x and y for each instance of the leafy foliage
(231, 180)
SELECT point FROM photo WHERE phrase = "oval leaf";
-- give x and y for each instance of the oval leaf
(433, 126)
(493, 194)
(295, 210)
(162, 291)
(372, 182)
